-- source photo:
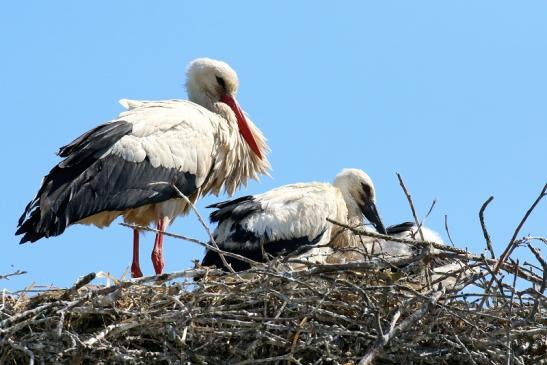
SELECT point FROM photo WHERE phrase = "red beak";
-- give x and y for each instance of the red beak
(242, 124)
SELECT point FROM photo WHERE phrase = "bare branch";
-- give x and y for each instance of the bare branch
(204, 225)
(408, 197)
(16, 273)
(447, 231)
(484, 230)
(513, 243)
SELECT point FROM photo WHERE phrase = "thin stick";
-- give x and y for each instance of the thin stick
(79, 284)
(510, 246)
(543, 286)
(429, 211)
(16, 273)
(484, 230)
(513, 243)
(408, 197)
(214, 244)
(447, 231)
(510, 355)
(464, 347)
(498, 280)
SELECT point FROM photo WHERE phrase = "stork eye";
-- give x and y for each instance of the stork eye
(367, 190)
(221, 82)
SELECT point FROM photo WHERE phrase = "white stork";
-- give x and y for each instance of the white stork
(447, 271)
(292, 217)
(366, 246)
(444, 270)
(126, 167)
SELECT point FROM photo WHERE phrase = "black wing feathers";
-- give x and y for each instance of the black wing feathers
(236, 210)
(94, 143)
(274, 248)
(85, 183)
(399, 228)
(42, 216)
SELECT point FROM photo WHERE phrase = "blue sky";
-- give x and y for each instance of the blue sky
(450, 94)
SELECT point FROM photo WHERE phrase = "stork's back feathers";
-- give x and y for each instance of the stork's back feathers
(275, 223)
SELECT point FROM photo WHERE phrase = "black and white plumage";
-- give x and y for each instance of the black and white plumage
(126, 167)
(292, 217)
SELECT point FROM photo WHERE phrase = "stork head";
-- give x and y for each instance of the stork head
(209, 82)
(358, 191)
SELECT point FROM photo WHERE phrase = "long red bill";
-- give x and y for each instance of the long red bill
(242, 124)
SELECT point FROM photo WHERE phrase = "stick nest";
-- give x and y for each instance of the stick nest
(326, 314)
(375, 311)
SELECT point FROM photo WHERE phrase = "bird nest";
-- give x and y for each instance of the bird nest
(374, 311)
(352, 313)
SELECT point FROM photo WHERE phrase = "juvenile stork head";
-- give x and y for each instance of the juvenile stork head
(213, 84)
(360, 197)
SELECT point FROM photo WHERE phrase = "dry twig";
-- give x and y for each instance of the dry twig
(513, 243)
(408, 197)
(484, 230)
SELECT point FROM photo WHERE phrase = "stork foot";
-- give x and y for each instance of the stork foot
(136, 271)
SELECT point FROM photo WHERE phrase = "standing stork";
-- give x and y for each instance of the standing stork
(128, 166)
(292, 217)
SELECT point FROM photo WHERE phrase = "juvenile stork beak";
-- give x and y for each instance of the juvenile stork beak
(371, 213)
(242, 123)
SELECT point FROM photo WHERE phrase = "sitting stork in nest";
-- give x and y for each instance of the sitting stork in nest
(292, 220)
(131, 165)
(293, 217)
(406, 257)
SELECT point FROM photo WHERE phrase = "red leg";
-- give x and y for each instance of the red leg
(157, 252)
(135, 267)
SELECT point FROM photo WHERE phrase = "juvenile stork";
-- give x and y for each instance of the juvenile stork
(442, 270)
(127, 167)
(358, 248)
(292, 217)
